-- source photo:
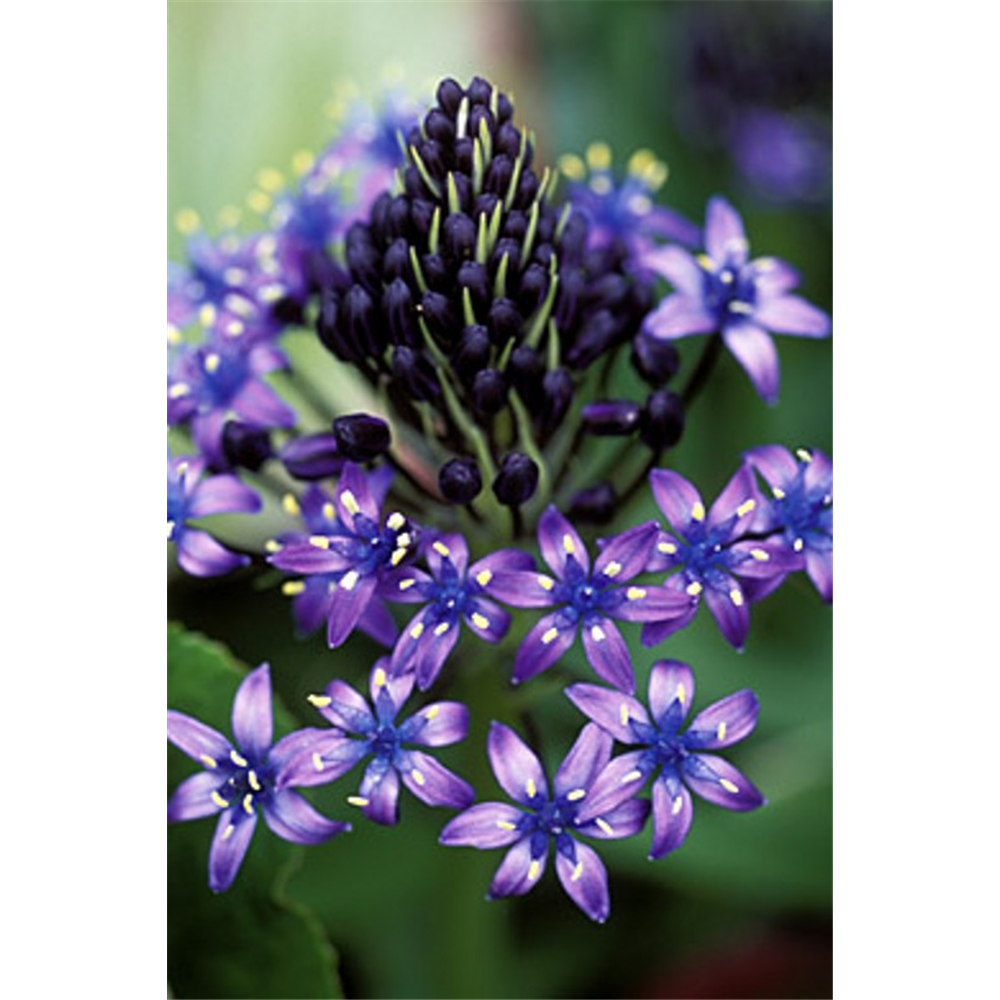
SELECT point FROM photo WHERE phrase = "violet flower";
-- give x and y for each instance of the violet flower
(724, 291)
(541, 818)
(359, 546)
(238, 779)
(361, 733)
(453, 592)
(800, 507)
(677, 757)
(709, 553)
(191, 495)
(587, 598)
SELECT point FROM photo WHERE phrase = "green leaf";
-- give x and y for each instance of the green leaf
(251, 941)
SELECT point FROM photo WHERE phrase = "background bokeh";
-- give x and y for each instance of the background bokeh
(744, 908)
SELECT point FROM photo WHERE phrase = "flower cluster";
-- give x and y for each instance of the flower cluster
(480, 314)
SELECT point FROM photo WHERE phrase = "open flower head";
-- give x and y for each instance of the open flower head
(244, 778)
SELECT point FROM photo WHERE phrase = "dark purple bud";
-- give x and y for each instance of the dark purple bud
(544, 252)
(611, 417)
(439, 127)
(594, 505)
(557, 390)
(504, 321)
(534, 285)
(505, 110)
(362, 256)
(526, 369)
(396, 263)
(464, 155)
(414, 372)
(421, 215)
(608, 291)
(245, 445)
(512, 250)
(507, 141)
(474, 276)
(515, 225)
(459, 236)
(463, 187)
(473, 352)
(397, 222)
(460, 480)
(433, 156)
(440, 317)
(414, 184)
(574, 238)
(435, 272)
(478, 115)
(449, 96)
(595, 337)
(326, 325)
(485, 204)
(498, 175)
(662, 421)
(489, 391)
(360, 321)
(361, 437)
(655, 360)
(517, 479)
(380, 210)
(480, 91)
(397, 304)
(527, 189)
(312, 456)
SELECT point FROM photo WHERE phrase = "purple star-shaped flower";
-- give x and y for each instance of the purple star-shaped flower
(541, 818)
(709, 552)
(800, 507)
(677, 757)
(191, 496)
(360, 547)
(453, 592)
(587, 598)
(724, 291)
(361, 733)
(238, 780)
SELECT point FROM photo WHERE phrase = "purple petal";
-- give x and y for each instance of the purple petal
(626, 555)
(608, 653)
(484, 826)
(309, 558)
(672, 813)
(819, 566)
(310, 757)
(654, 604)
(506, 560)
(199, 554)
(819, 473)
(544, 644)
(664, 554)
(585, 881)
(653, 633)
(196, 739)
(764, 559)
(558, 541)
(669, 681)
(608, 708)
(347, 605)
(678, 267)
(739, 497)
(730, 609)
(679, 316)
(724, 723)
(517, 769)
(677, 498)
(716, 780)
(450, 547)
(625, 820)
(488, 620)
(772, 277)
(793, 315)
(437, 725)
(588, 756)
(192, 799)
(354, 495)
(398, 688)
(622, 779)
(259, 404)
(407, 585)
(377, 622)
(433, 783)
(253, 724)
(233, 834)
(380, 786)
(518, 872)
(292, 818)
(346, 709)
(774, 463)
(725, 237)
(520, 588)
(439, 642)
(754, 349)
(223, 495)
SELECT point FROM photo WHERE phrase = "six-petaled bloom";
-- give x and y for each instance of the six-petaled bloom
(708, 552)
(679, 758)
(542, 818)
(586, 598)
(190, 495)
(723, 291)
(360, 547)
(243, 777)
(360, 733)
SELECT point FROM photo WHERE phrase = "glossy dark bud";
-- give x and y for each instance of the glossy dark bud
(414, 184)
(433, 155)
(573, 241)
(611, 417)
(505, 110)
(557, 392)
(414, 373)
(515, 225)
(459, 236)
(534, 285)
(517, 479)
(507, 141)
(464, 155)
(511, 249)
(421, 215)
(480, 91)
(504, 322)
(463, 188)
(459, 480)
(594, 505)
(245, 445)
(397, 222)
(361, 437)
(477, 116)
(311, 457)
(474, 276)
(485, 204)
(498, 175)
(489, 391)
(473, 352)
(655, 360)
(662, 421)
(439, 316)
(435, 272)
(360, 321)
(526, 369)
(439, 126)
(362, 256)
(449, 96)
(572, 285)
(396, 263)
(527, 189)
(596, 336)
(608, 292)
(397, 304)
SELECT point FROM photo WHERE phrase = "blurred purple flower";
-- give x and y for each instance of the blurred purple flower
(677, 757)
(558, 818)
(723, 291)
(239, 779)
(360, 733)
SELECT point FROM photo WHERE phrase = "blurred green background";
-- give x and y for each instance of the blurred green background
(743, 909)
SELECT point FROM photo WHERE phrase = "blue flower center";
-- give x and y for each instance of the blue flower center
(384, 741)
(245, 782)
(553, 818)
(729, 292)
(803, 511)
(704, 550)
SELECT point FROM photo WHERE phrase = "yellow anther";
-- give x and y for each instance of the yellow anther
(546, 583)
(740, 307)
(292, 588)
(403, 540)
(597, 633)
(319, 700)
(212, 362)
(729, 786)
(407, 583)
(228, 832)
(640, 204)
(290, 505)
(270, 179)
(349, 501)
(533, 869)
(705, 261)
(302, 162)
(441, 549)
(694, 588)
(182, 468)
(480, 621)
(599, 156)
(745, 508)
(252, 778)
(234, 328)
(623, 713)
(432, 713)
(272, 545)
(603, 824)
(329, 511)
(760, 555)
(640, 162)
(736, 596)
(418, 777)
(379, 678)
(613, 568)
(576, 795)
(803, 455)
(397, 556)
(550, 635)
(187, 221)
(483, 577)
(259, 201)
(357, 800)
(417, 631)
(206, 314)
(631, 776)
(667, 548)
(635, 593)
(577, 872)
(235, 275)
(208, 761)
(676, 806)
(319, 541)
(531, 788)
(798, 545)
(681, 693)
(601, 184)
(720, 731)
(572, 166)
(177, 390)
(568, 545)
(778, 492)
(504, 825)
(395, 521)
(174, 336)
(238, 304)
(317, 762)
(219, 801)
(727, 277)
(238, 760)
(349, 580)
(698, 511)
(441, 628)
